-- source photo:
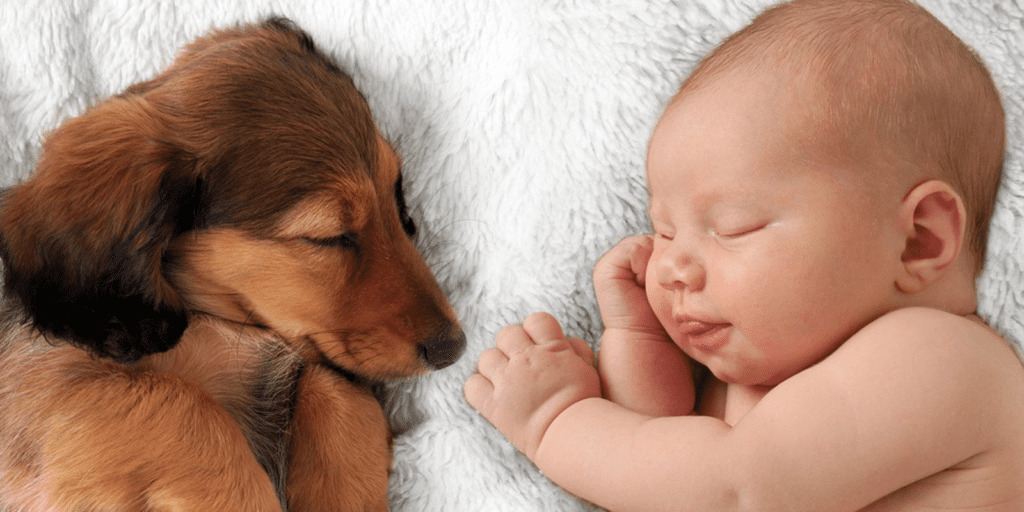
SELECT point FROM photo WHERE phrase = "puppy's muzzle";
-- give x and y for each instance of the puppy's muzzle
(443, 348)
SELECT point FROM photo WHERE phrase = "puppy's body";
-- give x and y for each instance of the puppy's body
(251, 375)
(200, 279)
(181, 430)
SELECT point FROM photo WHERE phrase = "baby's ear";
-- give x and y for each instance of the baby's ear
(932, 216)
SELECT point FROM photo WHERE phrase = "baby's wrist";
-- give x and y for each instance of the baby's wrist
(634, 334)
(549, 444)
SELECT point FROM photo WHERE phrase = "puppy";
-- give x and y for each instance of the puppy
(203, 277)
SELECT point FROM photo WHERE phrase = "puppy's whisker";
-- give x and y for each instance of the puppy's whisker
(434, 240)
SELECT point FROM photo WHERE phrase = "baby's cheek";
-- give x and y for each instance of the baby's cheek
(660, 300)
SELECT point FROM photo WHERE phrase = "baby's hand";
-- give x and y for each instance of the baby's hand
(620, 282)
(531, 376)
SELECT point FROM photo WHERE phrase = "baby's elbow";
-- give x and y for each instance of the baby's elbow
(749, 491)
(728, 499)
(713, 495)
(762, 493)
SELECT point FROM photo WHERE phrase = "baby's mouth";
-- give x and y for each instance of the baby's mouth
(697, 328)
(703, 334)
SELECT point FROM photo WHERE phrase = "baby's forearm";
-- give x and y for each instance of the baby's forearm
(646, 373)
(634, 462)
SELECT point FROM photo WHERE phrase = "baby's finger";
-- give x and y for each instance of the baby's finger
(513, 339)
(542, 327)
(582, 349)
(617, 262)
(491, 362)
(639, 257)
(478, 391)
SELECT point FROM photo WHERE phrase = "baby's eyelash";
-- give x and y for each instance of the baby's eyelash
(661, 232)
(738, 233)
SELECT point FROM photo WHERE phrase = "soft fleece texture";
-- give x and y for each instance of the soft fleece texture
(523, 124)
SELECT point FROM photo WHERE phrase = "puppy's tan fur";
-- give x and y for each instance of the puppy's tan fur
(202, 278)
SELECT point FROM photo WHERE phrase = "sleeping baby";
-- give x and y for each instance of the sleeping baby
(799, 333)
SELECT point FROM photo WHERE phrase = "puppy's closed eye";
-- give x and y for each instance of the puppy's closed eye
(347, 240)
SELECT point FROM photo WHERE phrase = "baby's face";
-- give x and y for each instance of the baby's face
(765, 260)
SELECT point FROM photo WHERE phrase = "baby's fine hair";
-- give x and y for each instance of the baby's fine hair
(889, 86)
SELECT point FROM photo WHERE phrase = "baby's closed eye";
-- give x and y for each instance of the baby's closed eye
(739, 231)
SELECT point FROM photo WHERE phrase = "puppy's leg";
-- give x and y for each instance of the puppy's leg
(86, 434)
(341, 452)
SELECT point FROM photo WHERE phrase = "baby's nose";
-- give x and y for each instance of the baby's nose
(678, 268)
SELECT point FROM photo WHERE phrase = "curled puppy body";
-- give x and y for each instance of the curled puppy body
(201, 278)
(251, 376)
(82, 431)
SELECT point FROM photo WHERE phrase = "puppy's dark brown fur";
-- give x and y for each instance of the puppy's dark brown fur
(201, 278)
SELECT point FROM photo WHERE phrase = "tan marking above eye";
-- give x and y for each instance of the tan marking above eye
(342, 207)
(312, 218)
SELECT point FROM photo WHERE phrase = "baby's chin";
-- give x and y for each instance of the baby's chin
(739, 371)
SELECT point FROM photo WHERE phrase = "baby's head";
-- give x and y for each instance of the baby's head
(832, 162)
(883, 88)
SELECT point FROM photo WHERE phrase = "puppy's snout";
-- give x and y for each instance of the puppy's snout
(443, 348)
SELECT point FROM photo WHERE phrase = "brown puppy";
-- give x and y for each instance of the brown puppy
(201, 279)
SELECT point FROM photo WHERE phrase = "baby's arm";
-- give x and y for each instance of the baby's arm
(894, 405)
(641, 368)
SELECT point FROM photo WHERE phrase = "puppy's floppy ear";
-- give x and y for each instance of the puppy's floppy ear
(83, 240)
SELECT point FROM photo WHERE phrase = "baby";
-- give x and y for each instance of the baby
(799, 333)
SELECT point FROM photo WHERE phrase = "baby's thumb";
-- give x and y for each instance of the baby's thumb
(582, 349)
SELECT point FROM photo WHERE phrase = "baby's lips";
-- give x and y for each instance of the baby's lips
(691, 326)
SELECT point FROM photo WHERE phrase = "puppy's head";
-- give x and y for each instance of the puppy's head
(249, 182)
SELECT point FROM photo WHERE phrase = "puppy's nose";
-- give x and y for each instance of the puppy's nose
(444, 347)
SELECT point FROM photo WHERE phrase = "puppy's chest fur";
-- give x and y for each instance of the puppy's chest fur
(250, 374)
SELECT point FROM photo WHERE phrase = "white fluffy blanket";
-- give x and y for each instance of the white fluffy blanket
(523, 124)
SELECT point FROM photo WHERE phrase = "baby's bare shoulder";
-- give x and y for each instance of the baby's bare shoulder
(934, 334)
(957, 388)
(915, 393)
(936, 359)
